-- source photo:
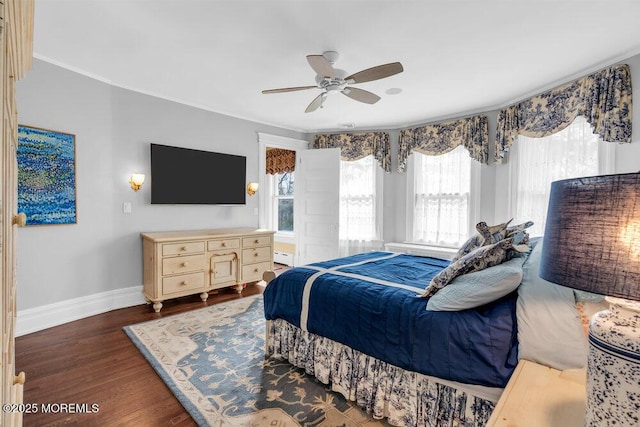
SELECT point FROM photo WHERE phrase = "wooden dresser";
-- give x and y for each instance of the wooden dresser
(179, 263)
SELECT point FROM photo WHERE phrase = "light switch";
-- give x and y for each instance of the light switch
(126, 207)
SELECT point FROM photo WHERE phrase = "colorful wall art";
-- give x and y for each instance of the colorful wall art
(46, 176)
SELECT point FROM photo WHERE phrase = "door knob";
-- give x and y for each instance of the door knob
(19, 219)
(19, 379)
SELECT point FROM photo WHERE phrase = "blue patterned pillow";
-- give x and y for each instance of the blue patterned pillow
(492, 234)
(476, 260)
(474, 242)
(481, 238)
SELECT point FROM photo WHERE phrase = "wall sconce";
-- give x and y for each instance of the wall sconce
(252, 187)
(136, 181)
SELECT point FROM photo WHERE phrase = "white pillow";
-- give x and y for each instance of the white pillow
(549, 327)
(478, 288)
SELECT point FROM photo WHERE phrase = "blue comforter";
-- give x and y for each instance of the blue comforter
(369, 302)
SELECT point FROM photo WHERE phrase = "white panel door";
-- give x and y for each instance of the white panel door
(317, 205)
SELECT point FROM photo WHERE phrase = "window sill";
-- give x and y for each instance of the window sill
(284, 237)
(422, 250)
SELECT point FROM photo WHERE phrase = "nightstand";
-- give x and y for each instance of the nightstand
(539, 396)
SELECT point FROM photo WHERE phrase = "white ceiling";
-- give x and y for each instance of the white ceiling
(459, 57)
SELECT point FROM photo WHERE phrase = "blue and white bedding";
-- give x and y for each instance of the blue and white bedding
(370, 302)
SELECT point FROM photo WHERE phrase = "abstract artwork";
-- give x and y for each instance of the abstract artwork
(46, 176)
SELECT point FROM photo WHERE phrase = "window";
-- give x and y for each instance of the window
(442, 203)
(283, 185)
(360, 206)
(536, 162)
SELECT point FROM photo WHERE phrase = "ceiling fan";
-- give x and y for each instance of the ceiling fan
(333, 80)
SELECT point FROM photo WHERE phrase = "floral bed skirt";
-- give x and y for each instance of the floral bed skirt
(383, 390)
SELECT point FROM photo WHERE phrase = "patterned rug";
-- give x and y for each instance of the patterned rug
(212, 359)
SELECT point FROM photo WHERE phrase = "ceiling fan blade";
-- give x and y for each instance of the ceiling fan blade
(321, 66)
(289, 89)
(316, 103)
(375, 73)
(361, 95)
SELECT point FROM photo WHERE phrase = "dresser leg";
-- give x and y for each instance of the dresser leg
(239, 287)
(204, 296)
(157, 306)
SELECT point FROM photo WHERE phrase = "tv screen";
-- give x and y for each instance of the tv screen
(188, 176)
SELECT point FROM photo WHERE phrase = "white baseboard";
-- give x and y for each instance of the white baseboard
(46, 316)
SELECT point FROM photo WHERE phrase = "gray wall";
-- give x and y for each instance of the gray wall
(113, 129)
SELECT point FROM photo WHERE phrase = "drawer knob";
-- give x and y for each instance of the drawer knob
(256, 254)
(184, 264)
(255, 270)
(184, 283)
(223, 244)
(256, 241)
(184, 248)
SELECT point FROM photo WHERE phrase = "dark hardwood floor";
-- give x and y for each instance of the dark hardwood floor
(92, 361)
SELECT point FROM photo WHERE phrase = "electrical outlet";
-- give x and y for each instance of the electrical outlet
(126, 207)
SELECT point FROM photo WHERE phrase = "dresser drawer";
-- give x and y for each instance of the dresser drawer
(182, 282)
(253, 272)
(256, 254)
(221, 244)
(183, 264)
(248, 242)
(169, 249)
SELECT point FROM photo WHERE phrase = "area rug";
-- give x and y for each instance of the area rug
(212, 359)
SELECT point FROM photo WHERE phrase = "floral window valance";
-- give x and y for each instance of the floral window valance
(603, 98)
(440, 138)
(280, 161)
(355, 146)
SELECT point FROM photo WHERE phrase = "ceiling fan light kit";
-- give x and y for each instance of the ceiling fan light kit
(332, 80)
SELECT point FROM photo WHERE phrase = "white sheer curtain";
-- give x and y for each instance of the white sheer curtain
(360, 206)
(442, 186)
(536, 162)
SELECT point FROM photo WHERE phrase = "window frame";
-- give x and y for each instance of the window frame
(378, 173)
(265, 210)
(475, 187)
(606, 165)
(275, 197)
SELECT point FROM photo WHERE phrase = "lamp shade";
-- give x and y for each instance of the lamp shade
(592, 235)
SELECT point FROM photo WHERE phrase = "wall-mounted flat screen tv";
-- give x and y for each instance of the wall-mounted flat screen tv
(189, 176)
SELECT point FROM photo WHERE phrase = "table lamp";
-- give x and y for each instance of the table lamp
(592, 243)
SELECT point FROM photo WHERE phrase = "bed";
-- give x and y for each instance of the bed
(359, 323)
